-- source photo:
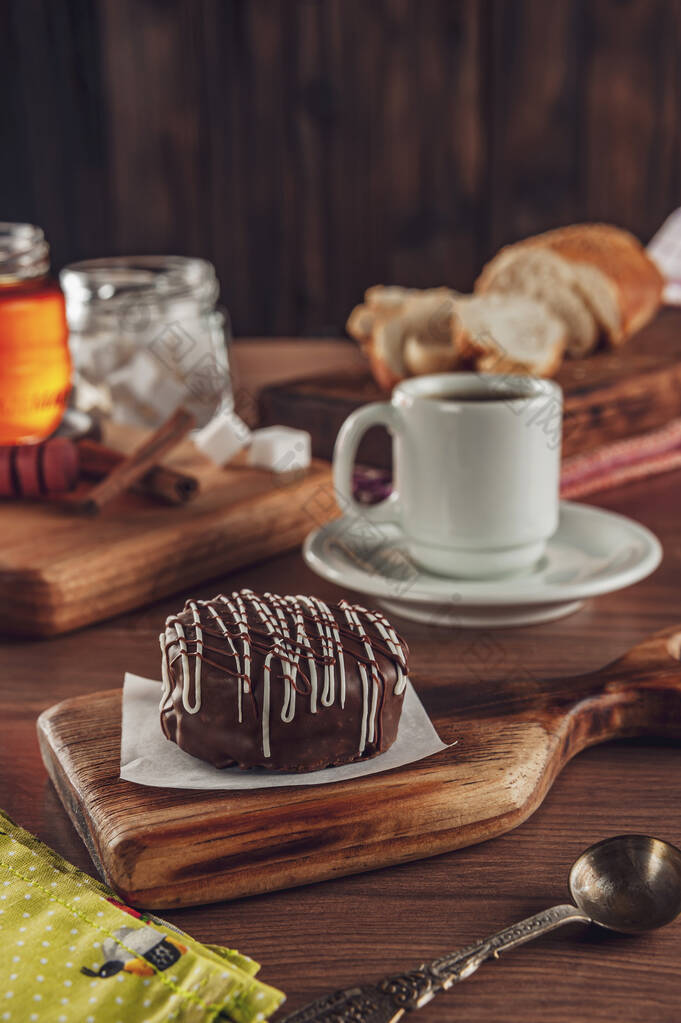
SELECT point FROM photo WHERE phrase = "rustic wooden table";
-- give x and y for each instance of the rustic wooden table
(333, 934)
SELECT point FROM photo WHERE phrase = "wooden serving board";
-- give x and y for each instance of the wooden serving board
(162, 847)
(59, 571)
(608, 396)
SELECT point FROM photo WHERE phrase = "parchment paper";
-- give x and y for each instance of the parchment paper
(148, 758)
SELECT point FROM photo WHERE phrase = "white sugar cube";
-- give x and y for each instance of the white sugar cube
(91, 398)
(145, 386)
(280, 448)
(138, 377)
(97, 356)
(223, 437)
(167, 395)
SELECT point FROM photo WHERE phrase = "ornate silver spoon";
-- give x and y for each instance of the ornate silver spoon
(630, 883)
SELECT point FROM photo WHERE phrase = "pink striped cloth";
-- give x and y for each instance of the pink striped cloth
(622, 462)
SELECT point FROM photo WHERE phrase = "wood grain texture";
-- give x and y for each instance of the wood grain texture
(59, 571)
(53, 124)
(535, 99)
(608, 396)
(150, 73)
(315, 147)
(632, 104)
(161, 848)
(323, 936)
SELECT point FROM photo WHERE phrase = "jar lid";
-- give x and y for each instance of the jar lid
(24, 253)
(117, 283)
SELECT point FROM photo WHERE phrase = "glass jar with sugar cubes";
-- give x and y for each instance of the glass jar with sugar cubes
(146, 337)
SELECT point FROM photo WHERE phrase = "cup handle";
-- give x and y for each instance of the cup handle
(379, 413)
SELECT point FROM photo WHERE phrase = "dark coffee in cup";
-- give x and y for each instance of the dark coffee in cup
(478, 396)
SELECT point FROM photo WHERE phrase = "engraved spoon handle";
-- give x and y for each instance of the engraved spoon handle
(389, 999)
(456, 966)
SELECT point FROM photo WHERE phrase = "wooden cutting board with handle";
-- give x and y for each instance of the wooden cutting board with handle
(166, 847)
(59, 571)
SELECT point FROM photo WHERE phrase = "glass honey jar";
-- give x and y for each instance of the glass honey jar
(35, 367)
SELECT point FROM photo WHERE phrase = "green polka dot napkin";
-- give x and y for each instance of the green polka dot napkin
(71, 952)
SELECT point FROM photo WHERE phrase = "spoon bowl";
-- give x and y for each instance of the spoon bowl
(629, 883)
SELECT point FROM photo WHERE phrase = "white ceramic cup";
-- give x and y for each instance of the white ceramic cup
(476, 480)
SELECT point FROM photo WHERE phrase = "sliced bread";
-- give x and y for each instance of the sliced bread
(421, 357)
(614, 271)
(405, 332)
(509, 334)
(380, 304)
(384, 349)
(607, 267)
(540, 273)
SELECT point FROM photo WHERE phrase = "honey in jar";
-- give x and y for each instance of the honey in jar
(35, 368)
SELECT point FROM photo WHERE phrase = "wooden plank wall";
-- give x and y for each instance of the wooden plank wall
(313, 147)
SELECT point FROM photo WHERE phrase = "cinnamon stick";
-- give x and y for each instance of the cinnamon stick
(135, 466)
(160, 482)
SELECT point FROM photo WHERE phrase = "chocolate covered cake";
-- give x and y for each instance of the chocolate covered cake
(286, 683)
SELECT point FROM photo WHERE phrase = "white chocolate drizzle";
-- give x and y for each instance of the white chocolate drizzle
(386, 632)
(284, 621)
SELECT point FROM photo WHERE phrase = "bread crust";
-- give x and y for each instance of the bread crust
(614, 253)
(385, 377)
(622, 258)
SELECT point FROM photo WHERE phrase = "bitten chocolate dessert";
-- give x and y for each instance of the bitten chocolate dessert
(285, 683)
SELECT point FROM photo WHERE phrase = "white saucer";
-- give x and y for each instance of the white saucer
(592, 552)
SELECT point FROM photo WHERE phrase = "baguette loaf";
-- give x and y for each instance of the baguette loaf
(609, 269)
(615, 271)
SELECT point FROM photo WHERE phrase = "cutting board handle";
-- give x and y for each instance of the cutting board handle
(638, 694)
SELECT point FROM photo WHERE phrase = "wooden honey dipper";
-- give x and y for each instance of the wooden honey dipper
(39, 470)
(54, 467)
